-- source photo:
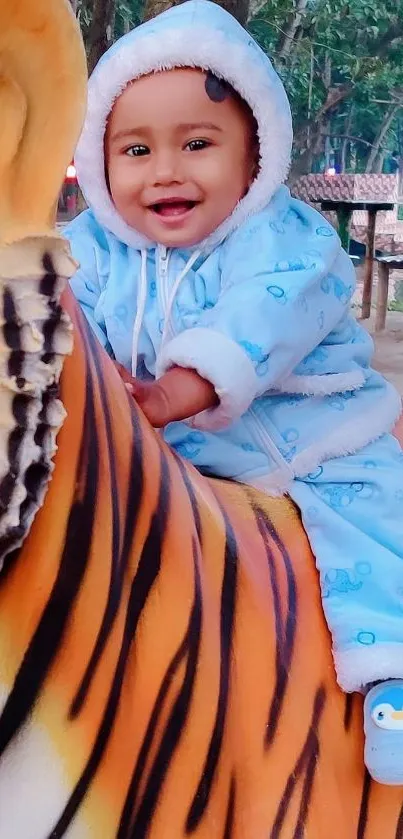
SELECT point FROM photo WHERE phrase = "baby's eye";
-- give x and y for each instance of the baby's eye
(137, 151)
(198, 145)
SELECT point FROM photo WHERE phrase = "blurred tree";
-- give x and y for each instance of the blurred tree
(238, 8)
(342, 66)
(341, 63)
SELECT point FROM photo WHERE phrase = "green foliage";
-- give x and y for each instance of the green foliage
(342, 67)
(356, 45)
(129, 14)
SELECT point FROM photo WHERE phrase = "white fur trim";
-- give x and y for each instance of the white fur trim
(223, 363)
(277, 483)
(351, 436)
(323, 385)
(358, 666)
(198, 46)
(280, 480)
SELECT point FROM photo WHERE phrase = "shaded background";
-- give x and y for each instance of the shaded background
(341, 63)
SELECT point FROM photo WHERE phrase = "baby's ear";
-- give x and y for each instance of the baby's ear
(254, 171)
(42, 102)
(254, 161)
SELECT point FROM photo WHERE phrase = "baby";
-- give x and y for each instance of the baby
(228, 302)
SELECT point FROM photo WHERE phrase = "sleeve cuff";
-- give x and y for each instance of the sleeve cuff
(222, 362)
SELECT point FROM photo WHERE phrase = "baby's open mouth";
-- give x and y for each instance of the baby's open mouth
(174, 207)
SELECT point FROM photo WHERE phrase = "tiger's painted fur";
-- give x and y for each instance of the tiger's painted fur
(165, 670)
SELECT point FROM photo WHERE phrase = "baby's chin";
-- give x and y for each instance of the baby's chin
(177, 238)
(184, 242)
(181, 231)
(184, 232)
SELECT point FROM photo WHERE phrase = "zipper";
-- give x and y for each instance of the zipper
(162, 277)
(268, 444)
(168, 294)
(163, 262)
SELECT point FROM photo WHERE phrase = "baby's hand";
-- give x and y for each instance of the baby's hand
(178, 394)
(125, 375)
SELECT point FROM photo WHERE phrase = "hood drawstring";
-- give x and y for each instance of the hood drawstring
(141, 305)
(142, 299)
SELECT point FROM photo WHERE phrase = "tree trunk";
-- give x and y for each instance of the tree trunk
(294, 55)
(314, 140)
(290, 29)
(110, 31)
(400, 177)
(378, 165)
(338, 94)
(238, 8)
(384, 128)
(100, 35)
(346, 143)
(255, 7)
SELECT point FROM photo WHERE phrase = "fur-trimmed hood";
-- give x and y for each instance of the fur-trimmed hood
(197, 33)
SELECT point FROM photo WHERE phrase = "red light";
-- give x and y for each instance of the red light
(71, 174)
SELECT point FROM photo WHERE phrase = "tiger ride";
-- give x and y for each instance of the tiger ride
(165, 669)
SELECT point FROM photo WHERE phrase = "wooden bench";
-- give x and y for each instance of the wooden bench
(385, 264)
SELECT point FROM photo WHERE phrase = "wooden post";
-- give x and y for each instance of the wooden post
(382, 297)
(344, 214)
(369, 264)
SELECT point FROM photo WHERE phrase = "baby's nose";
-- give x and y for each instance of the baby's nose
(167, 169)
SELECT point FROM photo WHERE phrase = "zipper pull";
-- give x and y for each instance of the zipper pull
(163, 258)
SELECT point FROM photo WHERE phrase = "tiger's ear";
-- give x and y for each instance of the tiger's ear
(43, 75)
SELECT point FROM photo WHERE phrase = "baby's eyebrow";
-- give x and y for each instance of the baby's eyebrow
(197, 126)
(140, 130)
(124, 133)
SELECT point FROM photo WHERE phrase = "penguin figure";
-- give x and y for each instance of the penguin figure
(383, 725)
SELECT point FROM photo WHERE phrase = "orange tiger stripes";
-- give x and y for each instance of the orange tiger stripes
(165, 670)
(162, 642)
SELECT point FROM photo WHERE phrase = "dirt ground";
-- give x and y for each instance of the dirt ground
(389, 343)
(389, 349)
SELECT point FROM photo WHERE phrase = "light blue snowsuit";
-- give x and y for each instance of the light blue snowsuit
(261, 309)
